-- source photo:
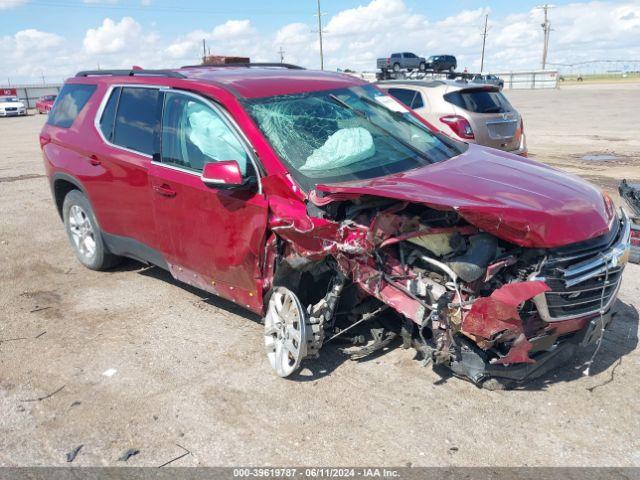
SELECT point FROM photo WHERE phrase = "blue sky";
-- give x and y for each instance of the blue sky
(57, 37)
(72, 17)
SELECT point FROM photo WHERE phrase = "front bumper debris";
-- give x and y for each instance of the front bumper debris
(472, 362)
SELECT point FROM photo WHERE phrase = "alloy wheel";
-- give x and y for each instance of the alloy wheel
(82, 232)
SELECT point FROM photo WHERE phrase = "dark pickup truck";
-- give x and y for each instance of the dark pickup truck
(402, 61)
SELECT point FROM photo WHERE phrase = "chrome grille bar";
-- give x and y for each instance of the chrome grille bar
(604, 267)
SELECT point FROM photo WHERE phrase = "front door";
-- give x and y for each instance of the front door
(212, 238)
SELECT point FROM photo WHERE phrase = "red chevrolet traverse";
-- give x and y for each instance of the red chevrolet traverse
(322, 203)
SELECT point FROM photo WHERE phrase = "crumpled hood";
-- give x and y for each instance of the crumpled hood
(511, 197)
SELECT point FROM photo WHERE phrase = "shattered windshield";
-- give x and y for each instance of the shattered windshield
(346, 134)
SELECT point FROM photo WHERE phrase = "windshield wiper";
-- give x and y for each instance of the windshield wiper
(364, 115)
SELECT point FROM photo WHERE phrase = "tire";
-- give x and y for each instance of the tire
(84, 234)
(422, 67)
(452, 69)
(396, 67)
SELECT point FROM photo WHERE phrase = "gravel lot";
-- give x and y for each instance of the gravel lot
(188, 370)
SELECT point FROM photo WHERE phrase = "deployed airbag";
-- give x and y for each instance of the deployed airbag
(344, 147)
(212, 136)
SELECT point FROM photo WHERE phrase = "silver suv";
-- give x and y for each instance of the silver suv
(472, 113)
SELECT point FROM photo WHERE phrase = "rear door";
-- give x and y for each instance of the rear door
(212, 238)
(494, 121)
(127, 122)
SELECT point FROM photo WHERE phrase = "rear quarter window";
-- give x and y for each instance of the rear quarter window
(70, 102)
(479, 101)
(410, 98)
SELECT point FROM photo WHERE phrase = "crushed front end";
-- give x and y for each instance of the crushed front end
(466, 299)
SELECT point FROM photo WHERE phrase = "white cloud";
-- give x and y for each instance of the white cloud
(294, 34)
(7, 4)
(234, 37)
(27, 52)
(233, 29)
(354, 38)
(112, 37)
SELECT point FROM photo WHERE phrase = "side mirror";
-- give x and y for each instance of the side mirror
(223, 174)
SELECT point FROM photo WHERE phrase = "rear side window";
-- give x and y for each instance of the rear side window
(136, 119)
(71, 101)
(107, 122)
(410, 98)
(479, 101)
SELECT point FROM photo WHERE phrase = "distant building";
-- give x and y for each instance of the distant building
(223, 60)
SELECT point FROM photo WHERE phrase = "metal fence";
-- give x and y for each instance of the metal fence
(30, 94)
(536, 79)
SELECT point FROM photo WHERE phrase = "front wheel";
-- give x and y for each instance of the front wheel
(84, 233)
(422, 67)
(451, 69)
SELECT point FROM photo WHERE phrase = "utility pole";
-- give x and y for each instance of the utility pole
(484, 41)
(281, 52)
(320, 36)
(546, 27)
(204, 50)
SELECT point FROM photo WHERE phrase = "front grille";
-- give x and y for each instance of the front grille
(502, 130)
(584, 279)
(11, 109)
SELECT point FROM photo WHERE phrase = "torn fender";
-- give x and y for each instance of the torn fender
(315, 237)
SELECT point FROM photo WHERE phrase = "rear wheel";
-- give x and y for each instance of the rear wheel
(396, 67)
(84, 233)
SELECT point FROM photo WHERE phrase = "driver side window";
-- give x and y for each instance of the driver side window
(194, 134)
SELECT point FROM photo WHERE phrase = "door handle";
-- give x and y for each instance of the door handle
(93, 160)
(164, 190)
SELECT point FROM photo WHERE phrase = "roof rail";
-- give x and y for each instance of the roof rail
(130, 73)
(288, 66)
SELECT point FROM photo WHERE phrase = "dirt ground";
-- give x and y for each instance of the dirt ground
(134, 360)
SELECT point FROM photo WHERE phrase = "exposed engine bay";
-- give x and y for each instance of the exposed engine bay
(370, 271)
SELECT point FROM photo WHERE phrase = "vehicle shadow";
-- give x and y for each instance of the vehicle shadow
(619, 339)
(206, 297)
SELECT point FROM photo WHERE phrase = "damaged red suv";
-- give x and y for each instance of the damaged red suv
(323, 204)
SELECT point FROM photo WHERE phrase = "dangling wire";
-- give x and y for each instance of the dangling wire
(599, 342)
